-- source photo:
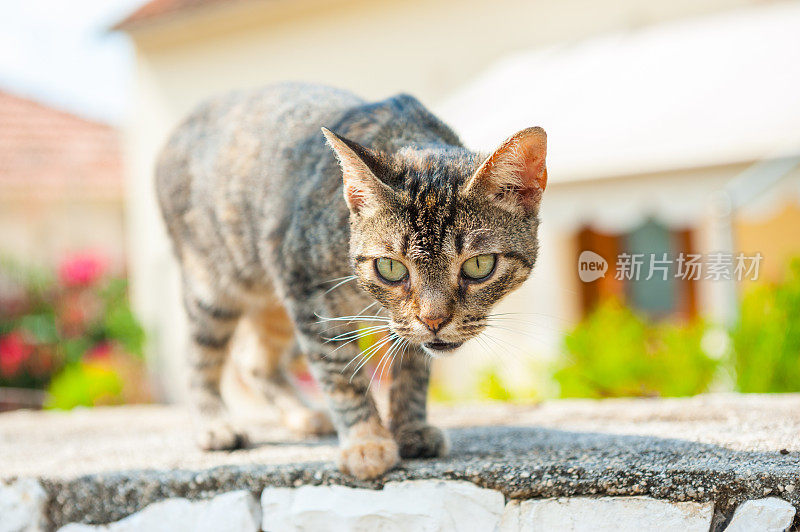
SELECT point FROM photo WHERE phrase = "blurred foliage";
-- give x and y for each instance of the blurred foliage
(119, 321)
(616, 353)
(84, 384)
(71, 332)
(766, 339)
(439, 392)
(491, 387)
(527, 383)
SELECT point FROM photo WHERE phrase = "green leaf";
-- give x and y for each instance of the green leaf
(84, 385)
(615, 353)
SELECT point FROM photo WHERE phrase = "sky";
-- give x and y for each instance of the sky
(61, 53)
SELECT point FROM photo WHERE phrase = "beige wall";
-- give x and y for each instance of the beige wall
(44, 232)
(376, 48)
(775, 235)
(373, 47)
(768, 223)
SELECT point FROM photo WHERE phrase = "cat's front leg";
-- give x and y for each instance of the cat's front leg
(367, 449)
(212, 321)
(408, 399)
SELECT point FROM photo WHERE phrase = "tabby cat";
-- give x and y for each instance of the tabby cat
(390, 227)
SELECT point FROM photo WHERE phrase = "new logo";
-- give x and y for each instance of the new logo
(591, 266)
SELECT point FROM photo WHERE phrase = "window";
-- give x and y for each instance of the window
(656, 297)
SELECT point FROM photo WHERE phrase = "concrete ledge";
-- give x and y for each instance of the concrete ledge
(102, 465)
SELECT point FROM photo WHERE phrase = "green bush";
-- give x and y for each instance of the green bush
(491, 386)
(84, 384)
(766, 338)
(615, 353)
(70, 331)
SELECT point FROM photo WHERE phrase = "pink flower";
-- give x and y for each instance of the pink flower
(82, 269)
(101, 351)
(14, 351)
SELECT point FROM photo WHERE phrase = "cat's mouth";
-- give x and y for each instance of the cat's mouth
(440, 346)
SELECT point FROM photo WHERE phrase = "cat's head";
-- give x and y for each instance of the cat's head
(439, 235)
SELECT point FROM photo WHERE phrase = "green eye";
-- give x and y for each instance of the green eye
(478, 267)
(391, 270)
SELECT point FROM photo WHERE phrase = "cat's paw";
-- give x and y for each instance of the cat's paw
(308, 422)
(420, 440)
(368, 458)
(220, 436)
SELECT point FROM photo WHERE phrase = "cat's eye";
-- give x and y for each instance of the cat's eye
(478, 267)
(391, 270)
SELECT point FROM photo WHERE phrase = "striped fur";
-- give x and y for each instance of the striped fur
(278, 233)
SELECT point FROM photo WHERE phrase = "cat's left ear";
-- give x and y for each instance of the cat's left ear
(514, 175)
(364, 192)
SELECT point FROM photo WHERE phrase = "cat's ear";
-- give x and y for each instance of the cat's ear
(514, 175)
(364, 192)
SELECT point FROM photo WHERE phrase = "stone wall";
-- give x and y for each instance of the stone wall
(708, 463)
(413, 505)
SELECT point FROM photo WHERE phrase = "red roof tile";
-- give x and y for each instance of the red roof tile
(155, 9)
(44, 150)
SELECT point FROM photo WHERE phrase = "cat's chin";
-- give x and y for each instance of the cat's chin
(438, 349)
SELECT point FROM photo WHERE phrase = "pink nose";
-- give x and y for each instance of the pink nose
(434, 323)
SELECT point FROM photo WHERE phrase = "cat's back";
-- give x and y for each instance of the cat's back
(234, 135)
(221, 179)
(247, 177)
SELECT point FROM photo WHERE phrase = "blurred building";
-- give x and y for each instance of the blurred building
(61, 186)
(680, 138)
(650, 130)
(491, 68)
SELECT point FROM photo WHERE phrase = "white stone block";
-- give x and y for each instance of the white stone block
(510, 521)
(420, 505)
(768, 515)
(22, 506)
(612, 514)
(236, 511)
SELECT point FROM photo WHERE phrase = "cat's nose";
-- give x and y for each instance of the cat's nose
(434, 323)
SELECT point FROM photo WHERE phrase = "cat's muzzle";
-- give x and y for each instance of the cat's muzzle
(442, 347)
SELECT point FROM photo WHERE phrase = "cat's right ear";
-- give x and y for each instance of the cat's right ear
(364, 192)
(515, 175)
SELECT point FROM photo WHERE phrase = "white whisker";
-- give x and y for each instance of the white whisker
(405, 350)
(358, 332)
(363, 310)
(515, 331)
(340, 283)
(512, 321)
(516, 350)
(387, 357)
(384, 328)
(323, 319)
(338, 279)
(532, 314)
(495, 357)
(393, 352)
(367, 355)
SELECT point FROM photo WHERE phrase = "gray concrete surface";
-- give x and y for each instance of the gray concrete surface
(100, 465)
